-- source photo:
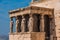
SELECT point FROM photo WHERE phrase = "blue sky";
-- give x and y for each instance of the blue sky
(5, 7)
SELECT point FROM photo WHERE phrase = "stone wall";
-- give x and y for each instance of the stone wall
(57, 23)
(38, 36)
(27, 36)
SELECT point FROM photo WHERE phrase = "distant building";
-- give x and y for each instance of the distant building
(39, 21)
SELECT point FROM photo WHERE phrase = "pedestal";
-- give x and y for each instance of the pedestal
(27, 36)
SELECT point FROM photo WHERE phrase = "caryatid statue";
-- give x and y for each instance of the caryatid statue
(17, 22)
(30, 23)
(23, 24)
(11, 25)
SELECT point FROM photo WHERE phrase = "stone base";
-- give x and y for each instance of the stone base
(27, 36)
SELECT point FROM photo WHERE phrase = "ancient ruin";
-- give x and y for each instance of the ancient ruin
(39, 21)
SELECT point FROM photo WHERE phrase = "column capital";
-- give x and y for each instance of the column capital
(16, 17)
(42, 17)
(11, 18)
(22, 16)
(42, 14)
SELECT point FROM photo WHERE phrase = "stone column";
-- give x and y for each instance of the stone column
(23, 24)
(42, 23)
(17, 22)
(11, 25)
(30, 23)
